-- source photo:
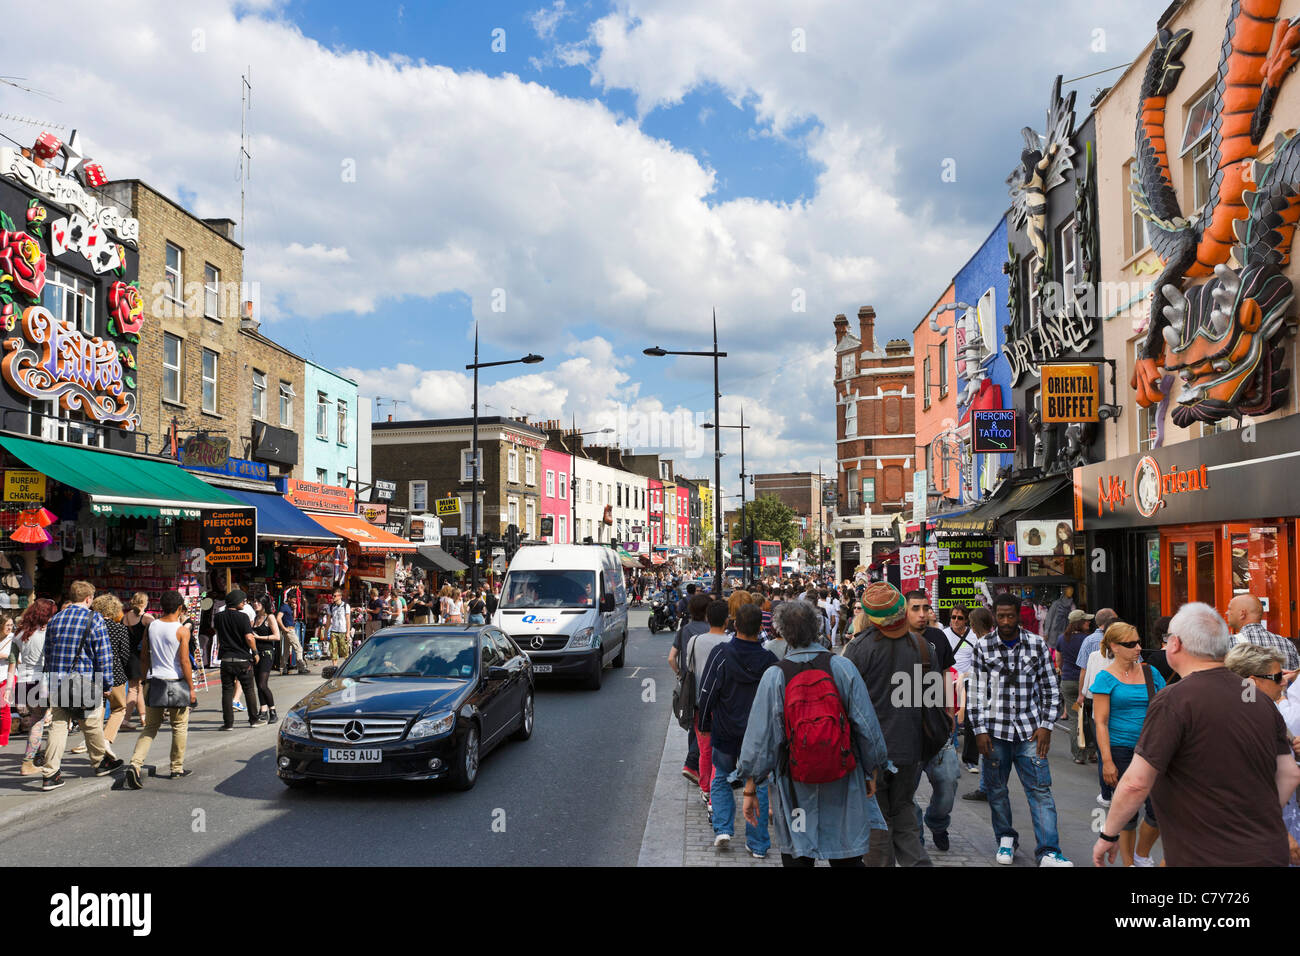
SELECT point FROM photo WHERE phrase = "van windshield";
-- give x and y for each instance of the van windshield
(526, 589)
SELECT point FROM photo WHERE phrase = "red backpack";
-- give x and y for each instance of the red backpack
(818, 745)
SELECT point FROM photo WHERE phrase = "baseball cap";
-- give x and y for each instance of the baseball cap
(234, 597)
(1079, 615)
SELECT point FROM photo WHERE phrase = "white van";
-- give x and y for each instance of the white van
(566, 606)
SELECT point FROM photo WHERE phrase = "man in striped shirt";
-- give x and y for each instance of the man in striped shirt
(1245, 617)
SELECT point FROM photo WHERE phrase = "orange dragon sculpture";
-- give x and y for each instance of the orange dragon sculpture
(1224, 338)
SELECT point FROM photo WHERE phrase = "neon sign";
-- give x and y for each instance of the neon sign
(81, 373)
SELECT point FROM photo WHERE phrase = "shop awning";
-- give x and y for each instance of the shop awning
(627, 560)
(119, 484)
(432, 557)
(357, 529)
(278, 519)
(1015, 500)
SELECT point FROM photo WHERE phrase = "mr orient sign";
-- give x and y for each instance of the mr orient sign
(230, 537)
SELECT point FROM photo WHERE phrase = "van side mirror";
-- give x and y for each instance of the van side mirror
(606, 603)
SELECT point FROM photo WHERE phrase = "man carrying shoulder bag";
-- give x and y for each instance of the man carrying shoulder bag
(76, 674)
(165, 660)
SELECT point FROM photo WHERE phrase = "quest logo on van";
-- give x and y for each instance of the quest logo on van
(539, 619)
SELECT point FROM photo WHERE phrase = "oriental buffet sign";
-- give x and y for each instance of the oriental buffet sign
(1150, 487)
(54, 361)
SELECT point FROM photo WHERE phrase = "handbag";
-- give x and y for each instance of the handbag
(77, 690)
(167, 693)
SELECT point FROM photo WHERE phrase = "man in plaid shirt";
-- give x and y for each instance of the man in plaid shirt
(1014, 701)
(76, 642)
(1245, 617)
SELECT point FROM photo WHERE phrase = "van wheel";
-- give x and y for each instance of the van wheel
(597, 672)
(622, 652)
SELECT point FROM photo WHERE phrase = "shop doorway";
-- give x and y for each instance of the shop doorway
(1214, 563)
(1190, 558)
(1257, 559)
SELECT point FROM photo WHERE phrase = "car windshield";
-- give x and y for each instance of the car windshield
(437, 656)
(527, 589)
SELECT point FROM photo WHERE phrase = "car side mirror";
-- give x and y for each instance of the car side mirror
(497, 672)
(606, 603)
(328, 672)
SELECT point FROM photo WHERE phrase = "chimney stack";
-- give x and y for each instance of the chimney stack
(867, 325)
(841, 328)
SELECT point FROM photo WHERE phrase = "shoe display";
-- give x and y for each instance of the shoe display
(1006, 851)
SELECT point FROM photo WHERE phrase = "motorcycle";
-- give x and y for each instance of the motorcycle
(661, 617)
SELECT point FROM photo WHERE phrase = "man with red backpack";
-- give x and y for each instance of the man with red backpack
(812, 727)
(897, 671)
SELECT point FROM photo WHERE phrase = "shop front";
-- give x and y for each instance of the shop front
(1203, 520)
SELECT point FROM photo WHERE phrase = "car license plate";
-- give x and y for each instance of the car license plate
(354, 756)
(541, 668)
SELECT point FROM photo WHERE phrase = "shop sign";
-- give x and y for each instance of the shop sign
(1043, 538)
(212, 455)
(994, 430)
(397, 519)
(24, 486)
(547, 526)
(969, 560)
(375, 514)
(384, 490)
(425, 529)
(310, 496)
(276, 445)
(230, 537)
(447, 507)
(1010, 553)
(1150, 487)
(1054, 335)
(82, 374)
(920, 486)
(1071, 393)
(67, 192)
(909, 568)
(526, 440)
(143, 511)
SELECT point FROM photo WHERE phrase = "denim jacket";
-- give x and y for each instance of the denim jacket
(837, 817)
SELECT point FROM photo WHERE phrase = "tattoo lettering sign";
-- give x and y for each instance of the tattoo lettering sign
(54, 361)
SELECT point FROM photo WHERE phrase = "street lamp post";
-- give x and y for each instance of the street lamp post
(744, 523)
(717, 449)
(573, 477)
(529, 359)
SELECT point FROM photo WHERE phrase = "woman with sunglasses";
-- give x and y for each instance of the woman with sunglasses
(1121, 694)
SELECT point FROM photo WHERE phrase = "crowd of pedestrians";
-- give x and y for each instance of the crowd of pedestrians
(826, 705)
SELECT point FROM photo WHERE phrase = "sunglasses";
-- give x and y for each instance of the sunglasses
(1127, 643)
(1275, 678)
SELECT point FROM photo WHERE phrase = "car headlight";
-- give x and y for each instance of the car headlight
(294, 725)
(434, 726)
(583, 638)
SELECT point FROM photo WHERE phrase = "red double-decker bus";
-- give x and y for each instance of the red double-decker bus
(767, 562)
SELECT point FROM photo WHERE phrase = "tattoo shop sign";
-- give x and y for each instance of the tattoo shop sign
(230, 537)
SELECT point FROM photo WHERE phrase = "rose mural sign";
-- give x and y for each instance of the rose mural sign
(54, 361)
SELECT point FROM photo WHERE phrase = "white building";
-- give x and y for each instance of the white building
(605, 492)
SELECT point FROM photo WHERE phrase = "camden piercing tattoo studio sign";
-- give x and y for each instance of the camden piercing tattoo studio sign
(1052, 337)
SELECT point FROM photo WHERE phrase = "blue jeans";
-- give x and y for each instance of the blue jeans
(944, 769)
(724, 805)
(1036, 779)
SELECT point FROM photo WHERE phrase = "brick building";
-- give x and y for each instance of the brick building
(202, 361)
(430, 459)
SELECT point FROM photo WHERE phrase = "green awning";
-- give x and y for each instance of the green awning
(118, 484)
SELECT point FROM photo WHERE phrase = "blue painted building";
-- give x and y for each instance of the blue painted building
(329, 433)
(982, 283)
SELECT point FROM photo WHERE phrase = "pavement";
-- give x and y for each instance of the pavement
(21, 797)
(678, 831)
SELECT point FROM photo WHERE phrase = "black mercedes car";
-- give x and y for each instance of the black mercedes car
(415, 702)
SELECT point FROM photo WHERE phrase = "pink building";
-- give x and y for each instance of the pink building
(683, 516)
(554, 500)
(655, 510)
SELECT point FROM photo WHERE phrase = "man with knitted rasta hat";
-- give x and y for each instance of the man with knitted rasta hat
(879, 652)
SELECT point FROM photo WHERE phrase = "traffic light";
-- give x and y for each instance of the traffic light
(826, 552)
(512, 540)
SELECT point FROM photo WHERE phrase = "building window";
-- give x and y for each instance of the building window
(419, 495)
(943, 369)
(564, 486)
(1196, 145)
(530, 470)
(530, 513)
(70, 299)
(513, 468)
(211, 291)
(893, 413)
(171, 369)
(588, 527)
(1068, 244)
(342, 479)
(175, 281)
(322, 416)
(512, 511)
(287, 395)
(550, 483)
(1146, 417)
(259, 394)
(1139, 228)
(322, 477)
(210, 381)
(589, 491)
(466, 464)
(850, 418)
(1035, 293)
(564, 530)
(846, 366)
(466, 507)
(925, 382)
(343, 422)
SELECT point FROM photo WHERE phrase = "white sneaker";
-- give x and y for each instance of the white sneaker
(1102, 801)
(1006, 851)
(722, 841)
(1139, 860)
(1054, 859)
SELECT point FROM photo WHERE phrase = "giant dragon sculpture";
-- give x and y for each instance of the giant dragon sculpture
(1225, 338)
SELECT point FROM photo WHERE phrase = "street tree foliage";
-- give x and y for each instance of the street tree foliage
(768, 519)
